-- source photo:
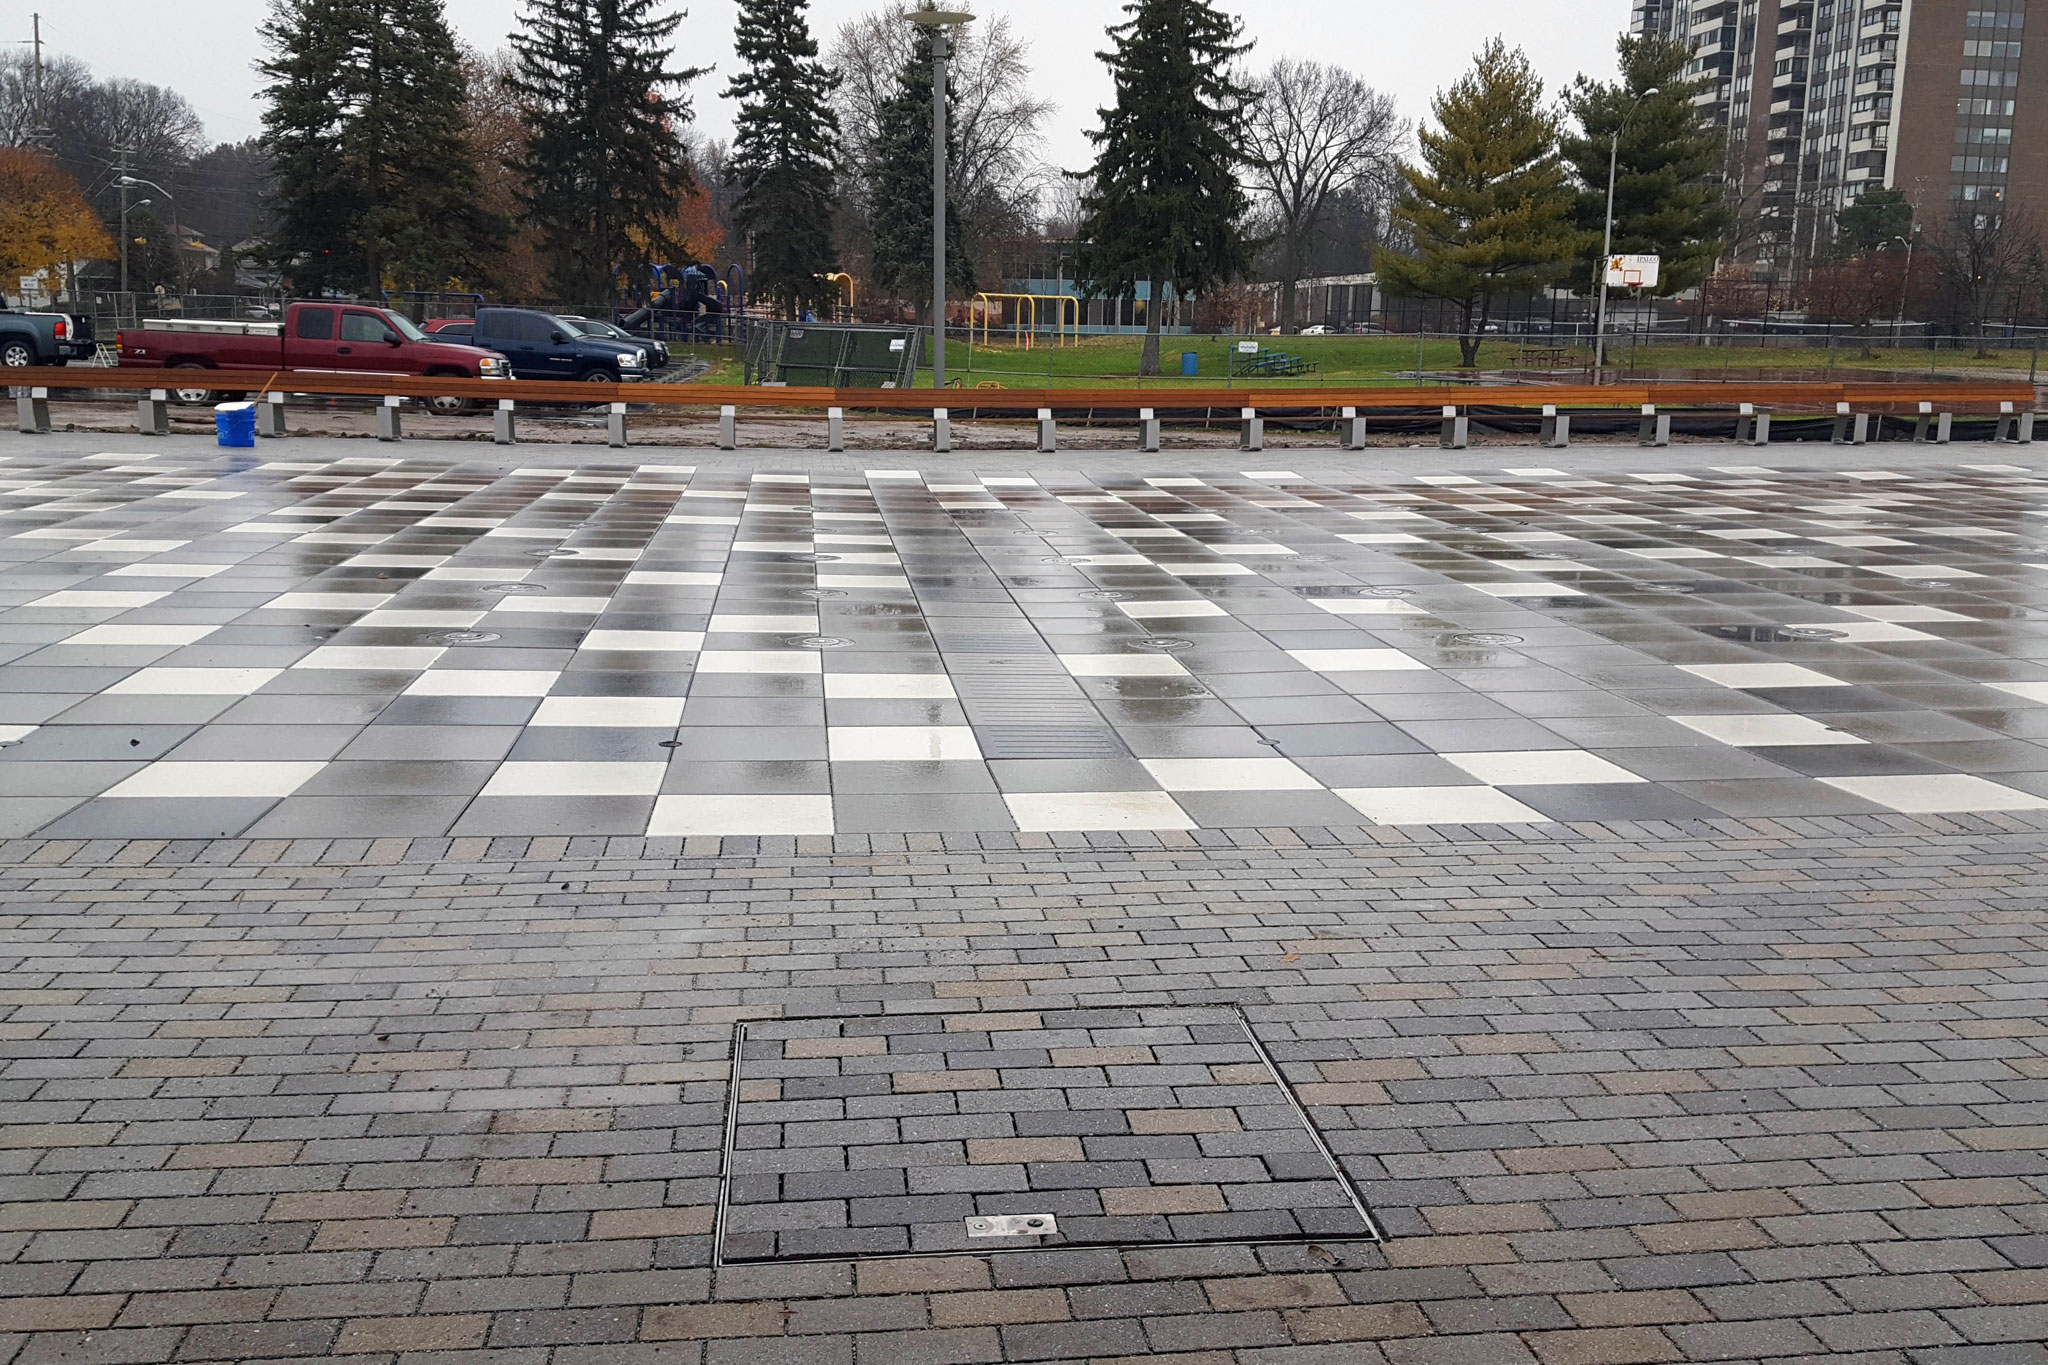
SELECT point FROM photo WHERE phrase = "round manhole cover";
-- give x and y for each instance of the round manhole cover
(553, 554)
(819, 642)
(1931, 583)
(1479, 637)
(1815, 633)
(1389, 592)
(806, 559)
(821, 594)
(671, 744)
(1165, 644)
(1669, 589)
(516, 589)
(468, 637)
(1103, 595)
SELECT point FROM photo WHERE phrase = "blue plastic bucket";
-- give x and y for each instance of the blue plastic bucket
(1190, 363)
(234, 424)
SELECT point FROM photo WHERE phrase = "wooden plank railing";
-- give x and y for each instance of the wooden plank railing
(1962, 396)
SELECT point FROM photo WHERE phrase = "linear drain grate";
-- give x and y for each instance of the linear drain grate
(991, 644)
(1049, 741)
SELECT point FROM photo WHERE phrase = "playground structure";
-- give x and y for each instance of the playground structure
(1025, 326)
(849, 293)
(691, 304)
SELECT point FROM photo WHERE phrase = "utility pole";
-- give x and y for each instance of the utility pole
(42, 132)
(121, 179)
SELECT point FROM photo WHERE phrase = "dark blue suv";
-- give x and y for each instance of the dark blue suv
(544, 346)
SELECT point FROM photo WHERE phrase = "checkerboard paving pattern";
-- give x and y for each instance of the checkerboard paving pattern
(192, 646)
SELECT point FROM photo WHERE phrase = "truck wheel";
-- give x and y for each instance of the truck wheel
(446, 406)
(193, 398)
(16, 355)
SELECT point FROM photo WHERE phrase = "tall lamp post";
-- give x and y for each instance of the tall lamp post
(1607, 247)
(940, 23)
(128, 182)
(1905, 283)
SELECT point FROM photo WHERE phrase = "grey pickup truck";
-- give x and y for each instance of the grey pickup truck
(42, 338)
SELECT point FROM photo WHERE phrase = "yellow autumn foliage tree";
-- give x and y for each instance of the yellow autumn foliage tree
(45, 223)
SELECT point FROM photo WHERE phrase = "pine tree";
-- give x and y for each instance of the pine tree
(784, 150)
(1878, 219)
(1164, 203)
(375, 183)
(1668, 200)
(1489, 211)
(899, 188)
(604, 160)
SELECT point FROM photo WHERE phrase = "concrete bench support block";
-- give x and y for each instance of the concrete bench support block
(270, 414)
(1048, 432)
(1752, 428)
(1457, 429)
(942, 430)
(1557, 428)
(1655, 428)
(835, 429)
(1851, 428)
(1354, 430)
(390, 426)
(505, 424)
(728, 428)
(615, 426)
(153, 413)
(1148, 431)
(1251, 430)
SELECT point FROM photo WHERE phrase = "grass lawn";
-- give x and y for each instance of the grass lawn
(1112, 362)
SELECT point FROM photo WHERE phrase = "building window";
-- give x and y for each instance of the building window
(1981, 165)
(1986, 18)
(1983, 76)
(1978, 47)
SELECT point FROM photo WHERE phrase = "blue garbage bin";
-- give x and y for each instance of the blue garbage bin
(234, 424)
(1190, 364)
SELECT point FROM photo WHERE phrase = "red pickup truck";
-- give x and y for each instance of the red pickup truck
(330, 338)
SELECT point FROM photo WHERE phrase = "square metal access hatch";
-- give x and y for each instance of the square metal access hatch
(854, 1137)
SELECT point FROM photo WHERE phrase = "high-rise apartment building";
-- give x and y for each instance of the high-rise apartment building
(1825, 99)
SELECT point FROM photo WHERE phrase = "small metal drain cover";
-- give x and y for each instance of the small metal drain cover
(1669, 589)
(1165, 644)
(1014, 1225)
(1103, 595)
(468, 637)
(516, 589)
(1049, 741)
(1478, 637)
(821, 594)
(1931, 583)
(806, 559)
(1775, 635)
(1389, 592)
(553, 554)
(819, 642)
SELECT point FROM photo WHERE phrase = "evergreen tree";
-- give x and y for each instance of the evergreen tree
(1668, 199)
(784, 148)
(899, 188)
(374, 182)
(1488, 212)
(1875, 220)
(1164, 203)
(604, 162)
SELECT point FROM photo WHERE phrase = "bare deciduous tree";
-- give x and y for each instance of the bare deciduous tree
(1987, 256)
(999, 173)
(1318, 133)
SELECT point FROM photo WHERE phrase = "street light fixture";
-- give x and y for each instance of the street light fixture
(128, 182)
(1905, 284)
(940, 23)
(1607, 247)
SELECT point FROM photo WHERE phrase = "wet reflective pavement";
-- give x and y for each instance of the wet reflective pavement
(423, 643)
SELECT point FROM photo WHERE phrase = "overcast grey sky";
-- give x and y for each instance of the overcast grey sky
(205, 48)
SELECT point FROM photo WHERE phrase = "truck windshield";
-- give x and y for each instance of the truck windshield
(404, 326)
(571, 328)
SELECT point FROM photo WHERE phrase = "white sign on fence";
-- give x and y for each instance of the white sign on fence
(1633, 272)
(1247, 348)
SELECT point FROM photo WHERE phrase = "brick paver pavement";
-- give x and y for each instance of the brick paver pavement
(1720, 1090)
